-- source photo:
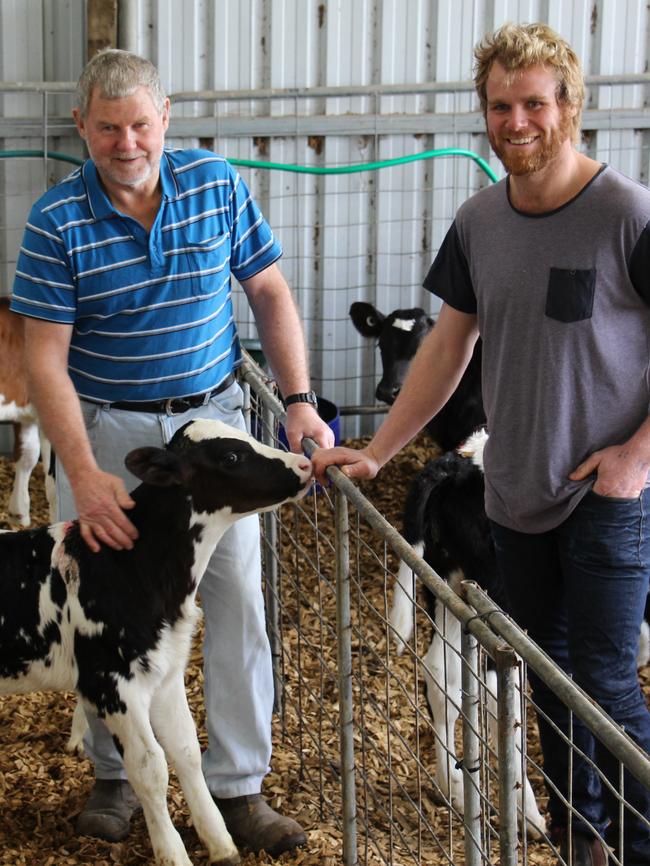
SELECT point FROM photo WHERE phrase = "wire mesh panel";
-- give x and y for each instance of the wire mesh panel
(612, 747)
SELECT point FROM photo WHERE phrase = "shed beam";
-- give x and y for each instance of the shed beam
(611, 120)
(102, 26)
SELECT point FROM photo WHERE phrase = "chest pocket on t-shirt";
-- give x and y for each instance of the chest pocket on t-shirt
(570, 294)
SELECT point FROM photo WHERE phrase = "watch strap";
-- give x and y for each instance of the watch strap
(301, 397)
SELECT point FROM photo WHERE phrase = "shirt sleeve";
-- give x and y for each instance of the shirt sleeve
(254, 246)
(44, 286)
(449, 277)
(639, 267)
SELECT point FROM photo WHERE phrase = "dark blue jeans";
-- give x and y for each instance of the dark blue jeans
(579, 590)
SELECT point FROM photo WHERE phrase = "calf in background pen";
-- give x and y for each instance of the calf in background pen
(445, 521)
(399, 336)
(15, 407)
(116, 626)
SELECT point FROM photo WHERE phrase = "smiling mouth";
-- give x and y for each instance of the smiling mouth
(521, 141)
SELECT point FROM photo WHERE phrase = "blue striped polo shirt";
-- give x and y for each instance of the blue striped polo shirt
(152, 311)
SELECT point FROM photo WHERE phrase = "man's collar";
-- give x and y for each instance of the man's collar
(101, 205)
(99, 202)
(168, 185)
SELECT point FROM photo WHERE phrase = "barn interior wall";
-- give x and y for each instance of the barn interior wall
(365, 236)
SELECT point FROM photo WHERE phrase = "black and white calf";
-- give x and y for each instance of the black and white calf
(399, 336)
(115, 626)
(444, 520)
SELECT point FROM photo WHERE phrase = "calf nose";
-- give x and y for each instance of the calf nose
(387, 393)
(305, 465)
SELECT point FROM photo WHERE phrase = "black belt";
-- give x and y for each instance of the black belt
(174, 405)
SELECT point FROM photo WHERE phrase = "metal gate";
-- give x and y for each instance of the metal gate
(354, 713)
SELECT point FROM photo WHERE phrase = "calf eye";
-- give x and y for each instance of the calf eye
(230, 458)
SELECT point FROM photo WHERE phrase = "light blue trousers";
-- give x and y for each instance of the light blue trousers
(237, 658)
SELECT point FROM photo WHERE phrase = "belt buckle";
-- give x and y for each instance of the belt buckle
(169, 407)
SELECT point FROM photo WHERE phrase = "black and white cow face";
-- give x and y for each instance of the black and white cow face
(399, 336)
(223, 468)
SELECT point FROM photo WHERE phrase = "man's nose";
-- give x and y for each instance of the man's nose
(126, 139)
(518, 117)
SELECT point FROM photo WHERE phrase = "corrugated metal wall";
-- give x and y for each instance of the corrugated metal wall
(364, 236)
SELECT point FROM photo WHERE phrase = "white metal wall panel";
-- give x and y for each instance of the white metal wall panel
(346, 235)
(369, 235)
(622, 47)
(38, 41)
(24, 55)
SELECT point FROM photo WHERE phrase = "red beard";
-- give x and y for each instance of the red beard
(523, 163)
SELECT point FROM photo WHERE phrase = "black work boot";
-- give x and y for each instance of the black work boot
(585, 850)
(108, 811)
(254, 825)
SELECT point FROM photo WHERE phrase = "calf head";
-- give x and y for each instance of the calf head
(399, 336)
(223, 469)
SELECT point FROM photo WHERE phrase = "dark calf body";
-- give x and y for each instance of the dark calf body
(444, 510)
(444, 519)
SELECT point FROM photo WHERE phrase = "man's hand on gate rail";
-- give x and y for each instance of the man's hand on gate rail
(355, 464)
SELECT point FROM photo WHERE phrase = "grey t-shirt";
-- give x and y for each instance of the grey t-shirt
(563, 305)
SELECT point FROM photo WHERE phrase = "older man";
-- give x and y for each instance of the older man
(124, 279)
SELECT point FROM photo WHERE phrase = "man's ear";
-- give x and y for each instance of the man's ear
(155, 466)
(79, 121)
(165, 114)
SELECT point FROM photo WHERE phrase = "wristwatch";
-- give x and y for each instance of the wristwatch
(302, 397)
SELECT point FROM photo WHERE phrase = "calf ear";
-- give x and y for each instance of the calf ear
(155, 466)
(366, 318)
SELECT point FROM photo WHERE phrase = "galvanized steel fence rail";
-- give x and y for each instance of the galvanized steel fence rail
(354, 713)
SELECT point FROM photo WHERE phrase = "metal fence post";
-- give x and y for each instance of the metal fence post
(471, 750)
(344, 655)
(271, 583)
(506, 661)
(247, 410)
